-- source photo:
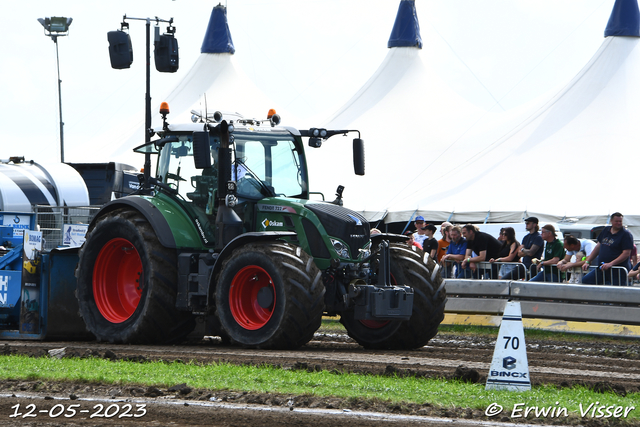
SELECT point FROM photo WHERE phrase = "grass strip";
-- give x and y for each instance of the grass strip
(268, 379)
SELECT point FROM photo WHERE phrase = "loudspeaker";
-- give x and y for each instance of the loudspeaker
(120, 50)
(166, 53)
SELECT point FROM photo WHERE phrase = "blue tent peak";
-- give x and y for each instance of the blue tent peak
(218, 37)
(624, 19)
(406, 29)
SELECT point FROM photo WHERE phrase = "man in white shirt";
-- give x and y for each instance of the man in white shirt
(419, 236)
(581, 249)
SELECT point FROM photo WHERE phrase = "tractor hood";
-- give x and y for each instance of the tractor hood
(322, 226)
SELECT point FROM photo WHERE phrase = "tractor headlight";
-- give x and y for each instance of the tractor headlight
(340, 248)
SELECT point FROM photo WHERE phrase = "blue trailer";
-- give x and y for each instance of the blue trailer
(47, 309)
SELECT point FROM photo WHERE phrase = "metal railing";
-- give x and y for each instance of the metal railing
(485, 270)
(52, 219)
(617, 275)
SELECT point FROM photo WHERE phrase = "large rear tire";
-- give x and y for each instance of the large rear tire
(409, 266)
(270, 296)
(127, 283)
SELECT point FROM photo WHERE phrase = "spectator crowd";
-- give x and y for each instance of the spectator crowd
(466, 252)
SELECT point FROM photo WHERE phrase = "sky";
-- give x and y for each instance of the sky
(308, 56)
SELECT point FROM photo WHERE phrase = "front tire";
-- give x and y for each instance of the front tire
(270, 296)
(412, 267)
(408, 267)
(127, 283)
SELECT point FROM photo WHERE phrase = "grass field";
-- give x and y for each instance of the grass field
(268, 379)
(542, 401)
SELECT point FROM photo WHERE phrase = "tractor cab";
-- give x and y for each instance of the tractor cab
(196, 166)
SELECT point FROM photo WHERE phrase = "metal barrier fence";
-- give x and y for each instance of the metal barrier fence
(486, 271)
(54, 220)
(561, 301)
(617, 275)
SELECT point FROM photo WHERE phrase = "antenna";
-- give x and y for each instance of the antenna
(206, 111)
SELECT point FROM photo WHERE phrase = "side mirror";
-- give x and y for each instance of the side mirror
(358, 156)
(201, 150)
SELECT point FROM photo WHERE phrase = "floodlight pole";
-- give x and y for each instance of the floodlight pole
(55, 40)
(54, 29)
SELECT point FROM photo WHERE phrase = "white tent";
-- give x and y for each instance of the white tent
(408, 115)
(572, 157)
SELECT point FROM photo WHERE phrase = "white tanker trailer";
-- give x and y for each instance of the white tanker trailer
(24, 184)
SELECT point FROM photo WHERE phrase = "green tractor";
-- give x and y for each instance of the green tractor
(226, 234)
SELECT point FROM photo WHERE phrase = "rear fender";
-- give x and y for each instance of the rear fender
(188, 235)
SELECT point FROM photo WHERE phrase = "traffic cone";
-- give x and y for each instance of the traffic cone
(509, 366)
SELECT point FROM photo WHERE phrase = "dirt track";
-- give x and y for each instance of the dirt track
(603, 365)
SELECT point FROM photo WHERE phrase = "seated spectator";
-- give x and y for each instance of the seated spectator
(633, 274)
(553, 253)
(484, 245)
(531, 247)
(508, 252)
(430, 244)
(411, 241)
(455, 252)
(443, 244)
(419, 235)
(580, 249)
(613, 250)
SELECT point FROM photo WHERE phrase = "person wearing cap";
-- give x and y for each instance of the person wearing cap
(430, 244)
(531, 247)
(613, 250)
(419, 235)
(553, 253)
(443, 244)
(484, 245)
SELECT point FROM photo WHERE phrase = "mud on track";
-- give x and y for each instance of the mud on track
(602, 365)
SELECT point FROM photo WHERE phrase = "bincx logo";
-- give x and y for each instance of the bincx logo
(509, 363)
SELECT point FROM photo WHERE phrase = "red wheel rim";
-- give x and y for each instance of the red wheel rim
(117, 280)
(243, 297)
(377, 324)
